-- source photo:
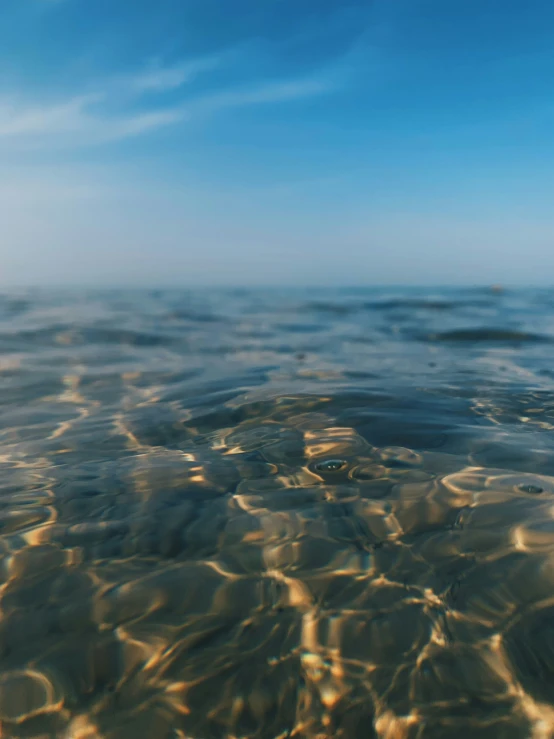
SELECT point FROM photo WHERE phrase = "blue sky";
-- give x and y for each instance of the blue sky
(276, 141)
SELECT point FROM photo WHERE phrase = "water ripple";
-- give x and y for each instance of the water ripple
(274, 514)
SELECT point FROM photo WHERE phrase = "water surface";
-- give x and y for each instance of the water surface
(277, 513)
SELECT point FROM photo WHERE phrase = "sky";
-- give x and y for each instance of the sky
(253, 142)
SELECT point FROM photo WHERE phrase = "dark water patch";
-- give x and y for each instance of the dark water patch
(215, 388)
(513, 454)
(412, 304)
(488, 335)
(255, 334)
(188, 315)
(360, 375)
(334, 309)
(417, 304)
(224, 349)
(23, 387)
(157, 425)
(300, 328)
(123, 337)
(530, 647)
(361, 339)
(30, 339)
(70, 335)
(11, 307)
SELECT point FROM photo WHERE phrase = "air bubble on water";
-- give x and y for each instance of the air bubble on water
(531, 489)
(331, 465)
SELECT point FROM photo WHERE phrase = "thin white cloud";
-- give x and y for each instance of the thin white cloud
(276, 92)
(162, 79)
(112, 129)
(59, 118)
(85, 120)
(77, 122)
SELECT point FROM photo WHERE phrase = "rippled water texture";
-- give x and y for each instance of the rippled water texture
(274, 514)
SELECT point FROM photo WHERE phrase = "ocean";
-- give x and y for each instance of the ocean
(261, 514)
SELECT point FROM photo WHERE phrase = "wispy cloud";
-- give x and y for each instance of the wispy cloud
(78, 121)
(17, 119)
(107, 115)
(161, 79)
(275, 92)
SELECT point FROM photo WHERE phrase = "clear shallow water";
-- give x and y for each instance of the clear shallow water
(277, 514)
